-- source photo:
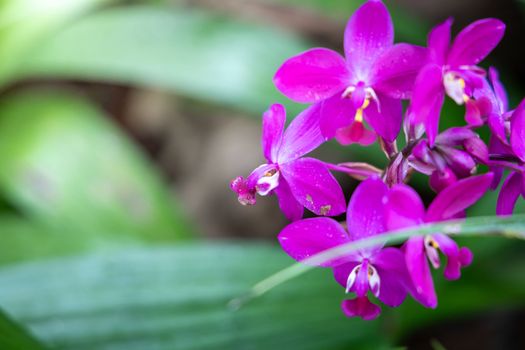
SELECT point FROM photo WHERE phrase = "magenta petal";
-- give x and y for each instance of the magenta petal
(517, 131)
(459, 161)
(291, 208)
(336, 112)
(404, 207)
(427, 99)
(361, 285)
(496, 124)
(393, 274)
(477, 149)
(458, 197)
(365, 216)
(341, 272)
(473, 115)
(272, 131)
(360, 307)
(302, 136)
(476, 41)
(455, 136)
(509, 193)
(439, 41)
(419, 272)
(355, 133)
(314, 186)
(456, 258)
(499, 90)
(385, 118)
(396, 69)
(245, 192)
(305, 238)
(312, 76)
(368, 33)
(441, 179)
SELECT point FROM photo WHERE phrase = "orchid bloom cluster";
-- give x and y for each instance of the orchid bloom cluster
(359, 99)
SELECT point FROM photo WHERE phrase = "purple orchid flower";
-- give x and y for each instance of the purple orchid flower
(444, 162)
(452, 70)
(297, 182)
(382, 271)
(404, 208)
(368, 85)
(511, 154)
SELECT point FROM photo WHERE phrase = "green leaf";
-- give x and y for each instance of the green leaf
(511, 227)
(15, 337)
(177, 298)
(63, 163)
(193, 53)
(24, 23)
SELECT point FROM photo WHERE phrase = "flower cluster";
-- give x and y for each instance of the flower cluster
(358, 98)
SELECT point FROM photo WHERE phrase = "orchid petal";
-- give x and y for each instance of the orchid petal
(477, 149)
(439, 41)
(509, 193)
(419, 272)
(360, 307)
(272, 131)
(336, 112)
(499, 90)
(302, 136)
(314, 186)
(368, 34)
(305, 238)
(455, 136)
(396, 69)
(312, 76)
(343, 271)
(385, 118)
(360, 285)
(355, 133)
(291, 208)
(365, 216)
(476, 41)
(458, 197)
(473, 114)
(441, 179)
(459, 161)
(456, 258)
(393, 274)
(517, 131)
(403, 208)
(497, 127)
(427, 99)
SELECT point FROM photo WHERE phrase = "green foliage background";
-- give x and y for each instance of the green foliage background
(94, 253)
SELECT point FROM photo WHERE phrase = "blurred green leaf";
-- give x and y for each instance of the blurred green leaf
(24, 23)
(62, 162)
(186, 51)
(14, 337)
(177, 298)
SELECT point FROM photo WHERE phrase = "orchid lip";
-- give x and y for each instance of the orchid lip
(268, 182)
(455, 87)
(374, 281)
(432, 251)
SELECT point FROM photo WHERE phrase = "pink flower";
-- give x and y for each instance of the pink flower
(404, 209)
(297, 182)
(452, 69)
(380, 271)
(368, 85)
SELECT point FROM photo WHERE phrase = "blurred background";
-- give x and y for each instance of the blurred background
(121, 126)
